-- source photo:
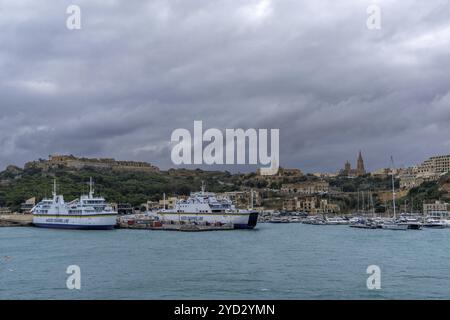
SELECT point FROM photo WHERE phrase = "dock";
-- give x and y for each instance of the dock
(16, 220)
(149, 224)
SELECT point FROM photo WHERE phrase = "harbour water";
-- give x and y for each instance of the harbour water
(274, 261)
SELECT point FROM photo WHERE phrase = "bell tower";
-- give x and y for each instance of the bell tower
(360, 170)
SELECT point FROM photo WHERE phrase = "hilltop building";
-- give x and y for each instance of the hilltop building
(283, 175)
(359, 171)
(435, 165)
(311, 205)
(72, 162)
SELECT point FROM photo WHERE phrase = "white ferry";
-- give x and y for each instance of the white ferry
(205, 207)
(87, 212)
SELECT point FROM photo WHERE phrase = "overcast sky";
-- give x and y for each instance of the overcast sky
(137, 70)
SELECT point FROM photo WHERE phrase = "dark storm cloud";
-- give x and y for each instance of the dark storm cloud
(137, 70)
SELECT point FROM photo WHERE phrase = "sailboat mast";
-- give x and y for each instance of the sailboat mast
(393, 185)
(363, 203)
(164, 200)
(357, 211)
(371, 203)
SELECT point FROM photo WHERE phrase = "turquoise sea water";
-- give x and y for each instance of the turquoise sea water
(275, 261)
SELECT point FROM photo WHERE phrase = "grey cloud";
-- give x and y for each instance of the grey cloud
(138, 70)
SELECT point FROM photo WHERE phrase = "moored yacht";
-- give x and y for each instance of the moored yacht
(413, 223)
(336, 221)
(395, 225)
(435, 223)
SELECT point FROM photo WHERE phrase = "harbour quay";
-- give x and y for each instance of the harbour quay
(16, 220)
(148, 223)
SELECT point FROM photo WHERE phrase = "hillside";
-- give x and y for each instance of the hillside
(430, 191)
(17, 185)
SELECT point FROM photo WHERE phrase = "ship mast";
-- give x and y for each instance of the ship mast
(54, 189)
(91, 189)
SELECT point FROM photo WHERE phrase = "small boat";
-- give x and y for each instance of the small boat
(435, 223)
(336, 221)
(278, 220)
(295, 220)
(413, 223)
(364, 226)
(314, 221)
(395, 225)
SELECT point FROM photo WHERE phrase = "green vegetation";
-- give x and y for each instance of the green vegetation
(362, 183)
(427, 192)
(18, 185)
(129, 187)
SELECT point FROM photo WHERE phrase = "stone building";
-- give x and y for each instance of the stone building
(311, 205)
(28, 205)
(282, 175)
(436, 209)
(409, 181)
(72, 162)
(435, 165)
(306, 187)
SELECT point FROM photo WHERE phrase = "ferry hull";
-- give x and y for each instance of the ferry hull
(73, 226)
(106, 222)
(239, 221)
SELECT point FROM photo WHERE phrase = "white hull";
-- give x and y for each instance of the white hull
(395, 226)
(100, 221)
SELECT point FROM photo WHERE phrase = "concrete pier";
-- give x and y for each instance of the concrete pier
(16, 220)
(148, 224)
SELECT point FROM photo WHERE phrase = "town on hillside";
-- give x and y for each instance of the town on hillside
(139, 186)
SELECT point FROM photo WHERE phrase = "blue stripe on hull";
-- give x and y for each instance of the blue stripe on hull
(73, 226)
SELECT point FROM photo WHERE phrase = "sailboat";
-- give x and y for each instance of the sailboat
(394, 224)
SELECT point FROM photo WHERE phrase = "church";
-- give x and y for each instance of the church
(359, 171)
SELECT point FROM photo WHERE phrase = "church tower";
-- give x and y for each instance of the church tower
(360, 170)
